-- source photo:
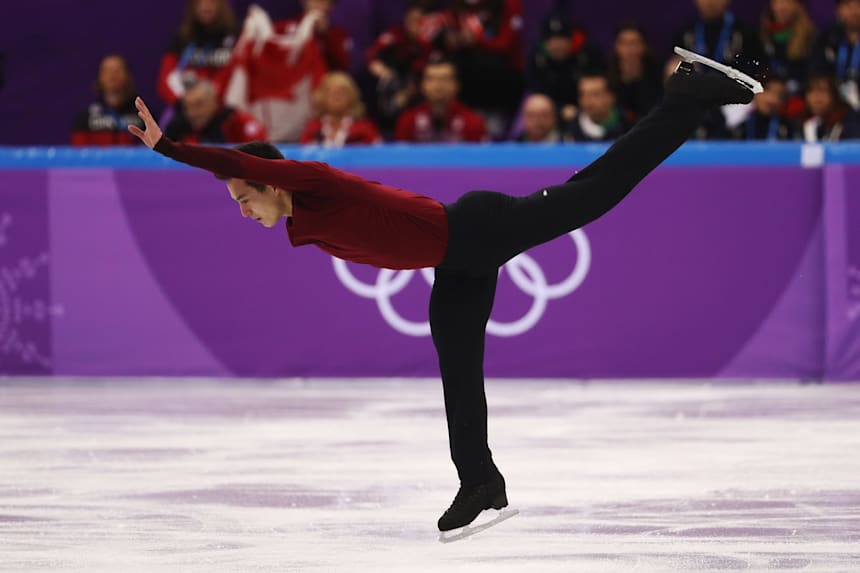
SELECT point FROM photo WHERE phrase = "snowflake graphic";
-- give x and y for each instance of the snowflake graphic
(15, 310)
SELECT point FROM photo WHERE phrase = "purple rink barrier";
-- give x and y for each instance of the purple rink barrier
(701, 272)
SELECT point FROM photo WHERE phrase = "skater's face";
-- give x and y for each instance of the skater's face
(440, 83)
(712, 9)
(266, 205)
(848, 12)
(785, 11)
(770, 101)
(595, 98)
(538, 117)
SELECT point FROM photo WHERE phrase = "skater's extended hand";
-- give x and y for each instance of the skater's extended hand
(153, 133)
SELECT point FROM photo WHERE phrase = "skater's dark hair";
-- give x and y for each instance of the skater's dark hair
(262, 149)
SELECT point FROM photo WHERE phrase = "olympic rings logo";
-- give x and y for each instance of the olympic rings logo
(524, 271)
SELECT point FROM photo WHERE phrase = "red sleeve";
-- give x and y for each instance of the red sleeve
(168, 64)
(405, 130)
(310, 134)
(337, 46)
(283, 173)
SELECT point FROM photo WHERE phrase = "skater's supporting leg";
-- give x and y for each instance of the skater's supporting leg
(460, 307)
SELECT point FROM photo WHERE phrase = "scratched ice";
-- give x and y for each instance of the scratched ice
(351, 475)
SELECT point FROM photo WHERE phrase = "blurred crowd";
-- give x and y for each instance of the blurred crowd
(462, 74)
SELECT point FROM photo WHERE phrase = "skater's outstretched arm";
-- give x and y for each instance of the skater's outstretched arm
(230, 163)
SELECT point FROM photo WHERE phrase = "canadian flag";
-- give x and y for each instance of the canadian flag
(273, 76)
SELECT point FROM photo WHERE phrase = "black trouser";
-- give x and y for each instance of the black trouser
(486, 229)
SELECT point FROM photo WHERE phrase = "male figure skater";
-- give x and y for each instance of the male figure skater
(466, 241)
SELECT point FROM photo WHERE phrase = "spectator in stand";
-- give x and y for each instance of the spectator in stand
(334, 42)
(828, 117)
(598, 117)
(106, 120)
(562, 56)
(441, 118)
(204, 120)
(200, 50)
(484, 38)
(838, 51)
(540, 120)
(340, 115)
(765, 121)
(788, 38)
(718, 34)
(396, 60)
(634, 73)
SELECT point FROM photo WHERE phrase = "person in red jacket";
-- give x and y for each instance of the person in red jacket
(334, 42)
(466, 241)
(105, 120)
(204, 120)
(201, 49)
(441, 118)
(340, 115)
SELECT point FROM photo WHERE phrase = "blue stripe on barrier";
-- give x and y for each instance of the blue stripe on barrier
(475, 155)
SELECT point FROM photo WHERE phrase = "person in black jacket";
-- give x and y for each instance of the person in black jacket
(564, 54)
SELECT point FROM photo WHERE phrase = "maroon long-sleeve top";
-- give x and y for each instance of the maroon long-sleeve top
(344, 215)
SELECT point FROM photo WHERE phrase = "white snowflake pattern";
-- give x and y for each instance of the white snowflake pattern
(15, 309)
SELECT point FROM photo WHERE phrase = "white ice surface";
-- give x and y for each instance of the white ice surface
(351, 475)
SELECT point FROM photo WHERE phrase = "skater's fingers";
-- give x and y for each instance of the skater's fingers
(143, 111)
(136, 131)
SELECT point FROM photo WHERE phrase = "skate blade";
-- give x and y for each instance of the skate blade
(470, 530)
(737, 75)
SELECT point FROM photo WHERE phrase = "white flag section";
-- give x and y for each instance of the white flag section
(273, 75)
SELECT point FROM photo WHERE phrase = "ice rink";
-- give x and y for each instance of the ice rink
(351, 475)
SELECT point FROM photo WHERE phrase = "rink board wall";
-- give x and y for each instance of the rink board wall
(730, 261)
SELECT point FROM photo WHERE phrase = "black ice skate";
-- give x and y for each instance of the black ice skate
(471, 501)
(729, 86)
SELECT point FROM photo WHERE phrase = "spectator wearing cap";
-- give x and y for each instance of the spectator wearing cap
(201, 49)
(788, 37)
(598, 117)
(838, 51)
(540, 121)
(202, 119)
(765, 122)
(634, 73)
(562, 56)
(334, 41)
(442, 117)
(106, 120)
(340, 117)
